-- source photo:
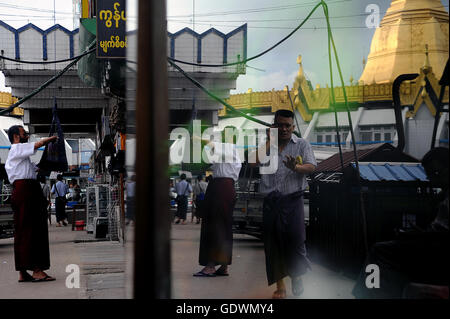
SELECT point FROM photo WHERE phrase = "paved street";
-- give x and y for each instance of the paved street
(105, 269)
(102, 265)
(247, 273)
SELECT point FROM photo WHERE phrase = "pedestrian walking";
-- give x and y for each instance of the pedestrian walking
(183, 189)
(60, 189)
(76, 194)
(216, 237)
(283, 212)
(131, 190)
(31, 245)
(199, 196)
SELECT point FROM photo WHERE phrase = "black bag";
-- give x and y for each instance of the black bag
(54, 157)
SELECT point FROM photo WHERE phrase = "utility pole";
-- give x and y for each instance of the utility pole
(152, 231)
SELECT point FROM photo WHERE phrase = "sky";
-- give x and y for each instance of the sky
(268, 21)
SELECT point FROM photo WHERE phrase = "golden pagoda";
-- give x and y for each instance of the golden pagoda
(6, 100)
(397, 45)
(412, 38)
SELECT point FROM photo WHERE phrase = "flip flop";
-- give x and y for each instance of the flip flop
(46, 278)
(204, 274)
(297, 286)
(221, 273)
(26, 279)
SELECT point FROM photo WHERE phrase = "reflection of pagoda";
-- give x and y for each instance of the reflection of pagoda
(412, 38)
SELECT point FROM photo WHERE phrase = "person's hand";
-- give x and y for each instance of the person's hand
(290, 162)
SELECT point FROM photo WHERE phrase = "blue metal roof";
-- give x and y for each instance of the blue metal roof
(392, 172)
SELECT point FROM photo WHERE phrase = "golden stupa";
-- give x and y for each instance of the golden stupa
(6, 100)
(412, 38)
(398, 44)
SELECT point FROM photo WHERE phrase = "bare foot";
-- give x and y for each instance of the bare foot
(279, 294)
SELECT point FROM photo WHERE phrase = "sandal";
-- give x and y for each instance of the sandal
(26, 278)
(204, 274)
(279, 294)
(221, 272)
(297, 286)
(46, 278)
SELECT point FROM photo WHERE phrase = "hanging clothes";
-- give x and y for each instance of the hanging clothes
(54, 157)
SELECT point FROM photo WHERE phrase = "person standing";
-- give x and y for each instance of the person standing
(31, 245)
(216, 236)
(199, 196)
(46, 192)
(76, 190)
(60, 189)
(131, 190)
(283, 211)
(182, 188)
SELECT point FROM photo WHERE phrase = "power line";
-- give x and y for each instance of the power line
(295, 19)
(256, 10)
(47, 62)
(256, 56)
(90, 49)
(305, 28)
(218, 99)
(17, 7)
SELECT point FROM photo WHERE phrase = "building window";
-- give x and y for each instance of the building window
(387, 136)
(319, 138)
(377, 136)
(328, 138)
(366, 136)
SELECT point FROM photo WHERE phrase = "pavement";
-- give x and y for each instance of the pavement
(247, 278)
(106, 270)
(101, 267)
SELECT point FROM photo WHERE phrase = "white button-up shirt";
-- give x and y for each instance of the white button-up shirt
(226, 162)
(284, 179)
(18, 165)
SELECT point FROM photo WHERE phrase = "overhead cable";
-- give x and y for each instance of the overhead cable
(48, 82)
(256, 56)
(48, 62)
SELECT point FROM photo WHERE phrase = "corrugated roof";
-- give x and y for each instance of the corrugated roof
(333, 164)
(381, 153)
(399, 172)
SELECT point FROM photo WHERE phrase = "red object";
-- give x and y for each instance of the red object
(79, 225)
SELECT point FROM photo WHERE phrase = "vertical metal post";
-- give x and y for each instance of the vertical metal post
(122, 206)
(152, 231)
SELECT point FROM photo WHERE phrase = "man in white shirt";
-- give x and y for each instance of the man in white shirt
(199, 195)
(183, 189)
(216, 237)
(60, 189)
(31, 247)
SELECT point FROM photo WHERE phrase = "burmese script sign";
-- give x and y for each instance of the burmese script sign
(111, 27)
